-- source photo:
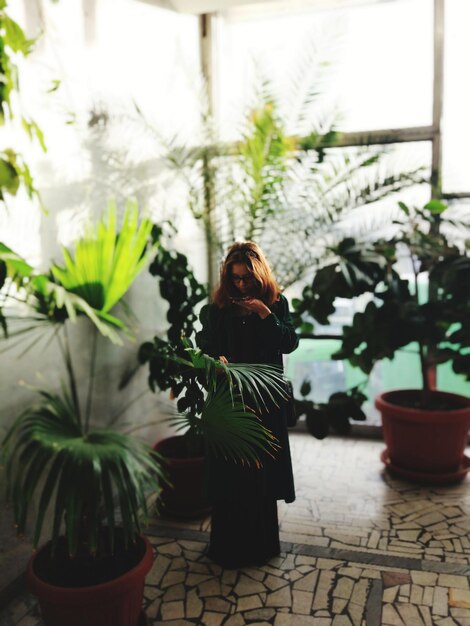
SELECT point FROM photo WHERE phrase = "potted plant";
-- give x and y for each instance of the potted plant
(93, 480)
(418, 283)
(212, 413)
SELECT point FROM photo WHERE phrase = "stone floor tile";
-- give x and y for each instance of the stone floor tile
(390, 594)
(256, 574)
(194, 605)
(212, 619)
(425, 613)
(260, 614)
(235, 620)
(416, 594)
(356, 612)
(176, 592)
(391, 579)
(193, 580)
(352, 572)
(409, 614)
(281, 597)
(172, 610)
(248, 602)
(218, 605)
(390, 616)
(159, 568)
(247, 586)
(209, 588)
(289, 619)
(321, 598)
(459, 598)
(302, 602)
(424, 578)
(447, 621)
(440, 601)
(308, 582)
(446, 580)
(343, 588)
(173, 577)
(341, 620)
(274, 582)
(339, 604)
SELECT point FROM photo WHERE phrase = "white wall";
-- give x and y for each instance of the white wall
(115, 54)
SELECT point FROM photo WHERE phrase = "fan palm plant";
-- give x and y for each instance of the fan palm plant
(52, 450)
(217, 402)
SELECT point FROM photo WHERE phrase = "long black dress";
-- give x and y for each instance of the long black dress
(244, 528)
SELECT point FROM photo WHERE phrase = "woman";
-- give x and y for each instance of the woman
(249, 322)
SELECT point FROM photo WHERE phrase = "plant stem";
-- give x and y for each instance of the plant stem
(92, 378)
(65, 349)
(422, 352)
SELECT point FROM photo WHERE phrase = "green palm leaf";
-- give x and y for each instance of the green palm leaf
(229, 429)
(92, 475)
(260, 381)
(106, 260)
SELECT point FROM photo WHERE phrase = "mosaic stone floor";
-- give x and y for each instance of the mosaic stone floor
(359, 548)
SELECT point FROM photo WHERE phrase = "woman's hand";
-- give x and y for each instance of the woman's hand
(255, 306)
(222, 359)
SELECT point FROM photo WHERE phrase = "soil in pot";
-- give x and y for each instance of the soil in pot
(413, 399)
(84, 570)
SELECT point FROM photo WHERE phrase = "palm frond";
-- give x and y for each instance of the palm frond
(46, 452)
(229, 430)
(106, 260)
(261, 382)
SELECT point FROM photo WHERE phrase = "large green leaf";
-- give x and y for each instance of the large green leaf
(106, 260)
(229, 429)
(82, 478)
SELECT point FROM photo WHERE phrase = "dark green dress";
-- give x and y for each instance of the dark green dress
(244, 511)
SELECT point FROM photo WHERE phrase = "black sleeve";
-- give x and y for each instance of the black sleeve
(278, 328)
(206, 338)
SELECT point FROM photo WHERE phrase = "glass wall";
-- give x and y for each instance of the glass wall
(355, 70)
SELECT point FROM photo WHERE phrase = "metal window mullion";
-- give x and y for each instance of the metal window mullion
(438, 99)
(206, 48)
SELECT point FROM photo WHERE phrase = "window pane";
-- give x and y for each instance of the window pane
(379, 57)
(456, 122)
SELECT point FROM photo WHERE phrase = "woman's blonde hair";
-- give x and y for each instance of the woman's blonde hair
(251, 255)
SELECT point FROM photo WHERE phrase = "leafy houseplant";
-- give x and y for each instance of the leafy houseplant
(211, 401)
(93, 480)
(427, 309)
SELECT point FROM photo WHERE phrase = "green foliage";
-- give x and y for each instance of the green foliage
(13, 170)
(79, 472)
(88, 476)
(196, 379)
(180, 288)
(400, 312)
(227, 428)
(106, 260)
(334, 415)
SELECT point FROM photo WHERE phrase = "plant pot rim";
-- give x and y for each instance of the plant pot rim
(176, 460)
(385, 401)
(35, 583)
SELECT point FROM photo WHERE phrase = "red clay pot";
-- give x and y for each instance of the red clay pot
(425, 441)
(185, 496)
(114, 603)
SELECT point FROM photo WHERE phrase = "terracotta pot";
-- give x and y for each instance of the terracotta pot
(185, 498)
(424, 441)
(117, 602)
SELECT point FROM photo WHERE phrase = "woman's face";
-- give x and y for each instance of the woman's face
(242, 279)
